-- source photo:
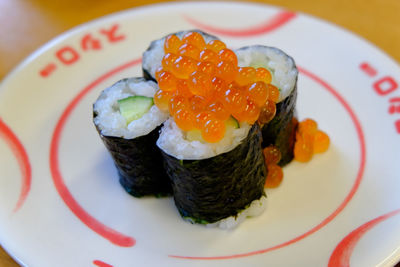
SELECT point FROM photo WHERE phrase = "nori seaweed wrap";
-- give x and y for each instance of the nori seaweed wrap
(279, 132)
(208, 190)
(133, 145)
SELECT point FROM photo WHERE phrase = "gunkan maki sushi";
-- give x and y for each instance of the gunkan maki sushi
(128, 123)
(280, 128)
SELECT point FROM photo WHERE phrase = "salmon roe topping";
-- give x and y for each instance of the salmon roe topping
(216, 45)
(321, 142)
(184, 119)
(182, 67)
(272, 155)
(263, 75)
(202, 118)
(219, 111)
(161, 99)
(167, 81)
(176, 103)
(195, 39)
(309, 140)
(258, 92)
(273, 92)
(213, 131)
(267, 112)
(207, 67)
(228, 55)
(208, 55)
(234, 101)
(189, 50)
(245, 75)
(202, 87)
(274, 176)
(172, 44)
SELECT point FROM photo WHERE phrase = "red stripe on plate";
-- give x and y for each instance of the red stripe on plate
(269, 25)
(23, 161)
(101, 263)
(341, 255)
(101, 229)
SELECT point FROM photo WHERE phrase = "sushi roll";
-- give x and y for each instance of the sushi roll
(211, 144)
(218, 184)
(152, 57)
(280, 131)
(128, 123)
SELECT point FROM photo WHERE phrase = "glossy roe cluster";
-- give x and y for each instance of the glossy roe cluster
(309, 140)
(201, 86)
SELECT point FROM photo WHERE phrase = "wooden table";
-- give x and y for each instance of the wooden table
(26, 25)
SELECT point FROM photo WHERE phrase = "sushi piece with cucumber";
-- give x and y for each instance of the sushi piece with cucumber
(128, 123)
(280, 131)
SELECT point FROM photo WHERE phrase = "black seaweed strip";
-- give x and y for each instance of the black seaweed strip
(139, 164)
(211, 189)
(280, 132)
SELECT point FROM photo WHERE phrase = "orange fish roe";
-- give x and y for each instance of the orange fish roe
(161, 99)
(272, 156)
(321, 142)
(184, 119)
(202, 86)
(245, 75)
(213, 131)
(263, 75)
(218, 110)
(194, 38)
(309, 140)
(172, 44)
(216, 45)
(274, 176)
(267, 112)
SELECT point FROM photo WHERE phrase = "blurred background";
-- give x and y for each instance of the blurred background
(28, 24)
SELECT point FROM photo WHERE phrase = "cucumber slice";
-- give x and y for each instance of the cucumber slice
(232, 123)
(134, 107)
(194, 135)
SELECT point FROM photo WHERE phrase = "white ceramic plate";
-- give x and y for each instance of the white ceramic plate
(340, 208)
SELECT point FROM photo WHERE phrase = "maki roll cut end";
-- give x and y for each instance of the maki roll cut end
(128, 123)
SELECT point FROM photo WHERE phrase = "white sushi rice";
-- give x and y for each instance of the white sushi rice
(152, 57)
(256, 208)
(173, 141)
(112, 123)
(282, 67)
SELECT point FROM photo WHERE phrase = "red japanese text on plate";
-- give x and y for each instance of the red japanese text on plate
(71, 54)
(385, 86)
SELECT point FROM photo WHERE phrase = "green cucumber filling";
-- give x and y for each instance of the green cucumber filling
(134, 107)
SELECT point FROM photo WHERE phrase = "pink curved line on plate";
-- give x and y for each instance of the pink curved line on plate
(271, 24)
(347, 199)
(341, 255)
(101, 229)
(23, 161)
(101, 263)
